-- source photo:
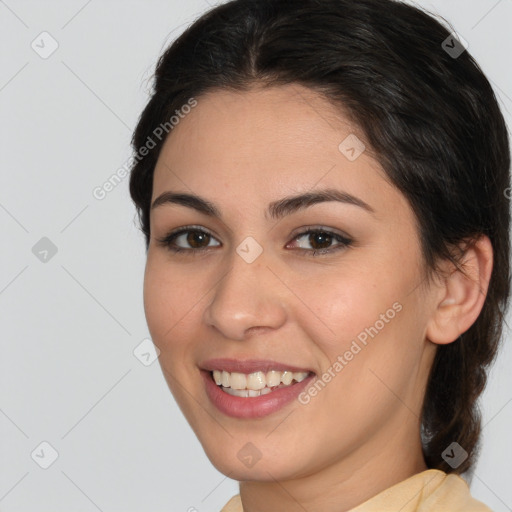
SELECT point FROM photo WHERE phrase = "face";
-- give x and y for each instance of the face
(327, 327)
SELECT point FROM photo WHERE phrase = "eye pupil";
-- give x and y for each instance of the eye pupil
(327, 239)
(195, 236)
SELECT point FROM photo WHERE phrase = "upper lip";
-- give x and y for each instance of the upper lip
(249, 365)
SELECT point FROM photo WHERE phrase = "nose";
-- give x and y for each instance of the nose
(248, 298)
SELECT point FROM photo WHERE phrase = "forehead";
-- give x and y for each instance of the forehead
(265, 143)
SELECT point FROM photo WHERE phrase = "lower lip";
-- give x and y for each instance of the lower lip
(252, 407)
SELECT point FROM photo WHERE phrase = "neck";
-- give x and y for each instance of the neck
(343, 485)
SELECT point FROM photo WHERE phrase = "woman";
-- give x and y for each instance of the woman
(322, 189)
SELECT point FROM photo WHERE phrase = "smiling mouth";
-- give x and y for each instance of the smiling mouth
(257, 383)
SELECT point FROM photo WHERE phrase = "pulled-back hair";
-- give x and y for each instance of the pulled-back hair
(428, 115)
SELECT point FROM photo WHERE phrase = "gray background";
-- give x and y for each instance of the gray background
(70, 324)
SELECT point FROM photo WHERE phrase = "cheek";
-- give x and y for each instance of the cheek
(349, 303)
(370, 326)
(171, 301)
(171, 306)
(375, 358)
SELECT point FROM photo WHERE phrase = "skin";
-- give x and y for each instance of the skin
(361, 433)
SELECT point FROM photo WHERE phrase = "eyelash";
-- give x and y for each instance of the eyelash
(169, 239)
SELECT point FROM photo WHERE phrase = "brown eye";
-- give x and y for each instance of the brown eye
(197, 239)
(320, 240)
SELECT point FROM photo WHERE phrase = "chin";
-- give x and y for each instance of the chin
(243, 461)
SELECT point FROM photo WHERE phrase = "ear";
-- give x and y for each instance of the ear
(461, 297)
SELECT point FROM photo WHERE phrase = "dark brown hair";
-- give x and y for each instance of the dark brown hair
(428, 114)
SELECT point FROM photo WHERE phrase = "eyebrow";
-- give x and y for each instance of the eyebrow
(276, 209)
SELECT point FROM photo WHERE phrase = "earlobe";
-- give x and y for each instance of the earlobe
(462, 295)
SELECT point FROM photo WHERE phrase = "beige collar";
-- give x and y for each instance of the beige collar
(429, 491)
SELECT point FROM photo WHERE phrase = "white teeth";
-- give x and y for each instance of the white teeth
(287, 378)
(244, 393)
(273, 378)
(238, 381)
(256, 383)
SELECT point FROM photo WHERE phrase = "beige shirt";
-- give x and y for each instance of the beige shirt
(429, 491)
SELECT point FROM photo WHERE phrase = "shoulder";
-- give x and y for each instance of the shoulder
(233, 505)
(453, 495)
